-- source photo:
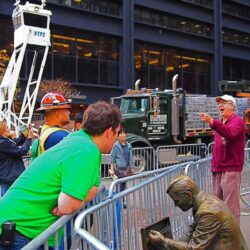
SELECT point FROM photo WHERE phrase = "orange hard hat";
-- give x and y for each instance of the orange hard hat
(54, 100)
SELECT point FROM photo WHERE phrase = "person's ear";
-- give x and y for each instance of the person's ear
(109, 132)
(58, 113)
(78, 125)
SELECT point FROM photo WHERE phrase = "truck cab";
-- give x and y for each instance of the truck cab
(147, 116)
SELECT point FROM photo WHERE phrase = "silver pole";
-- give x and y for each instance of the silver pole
(43, 3)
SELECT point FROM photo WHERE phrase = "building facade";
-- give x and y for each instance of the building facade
(103, 46)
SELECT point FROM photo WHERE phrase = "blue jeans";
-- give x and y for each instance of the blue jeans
(19, 242)
(3, 189)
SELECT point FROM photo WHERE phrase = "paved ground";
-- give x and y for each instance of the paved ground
(244, 224)
(245, 221)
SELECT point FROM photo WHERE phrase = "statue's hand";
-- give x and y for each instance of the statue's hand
(156, 237)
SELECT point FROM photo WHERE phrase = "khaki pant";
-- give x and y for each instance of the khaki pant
(226, 186)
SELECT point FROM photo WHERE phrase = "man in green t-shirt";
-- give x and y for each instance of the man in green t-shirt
(63, 178)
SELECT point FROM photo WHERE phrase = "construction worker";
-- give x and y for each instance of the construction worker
(57, 115)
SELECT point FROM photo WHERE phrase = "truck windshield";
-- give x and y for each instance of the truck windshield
(133, 105)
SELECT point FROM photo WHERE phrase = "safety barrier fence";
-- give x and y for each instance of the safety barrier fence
(64, 224)
(210, 148)
(176, 154)
(199, 171)
(146, 202)
(141, 201)
(148, 159)
(248, 144)
(134, 180)
(245, 183)
(108, 225)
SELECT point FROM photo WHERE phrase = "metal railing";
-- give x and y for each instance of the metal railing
(176, 154)
(245, 183)
(248, 144)
(65, 224)
(134, 180)
(147, 203)
(108, 225)
(144, 160)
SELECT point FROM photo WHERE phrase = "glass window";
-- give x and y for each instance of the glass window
(236, 37)
(63, 44)
(64, 66)
(206, 3)
(6, 45)
(35, 20)
(93, 59)
(172, 22)
(235, 69)
(227, 69)
(17, 21)
(246, 71)
(134, 105)
(163, 63)
(87, 70)
(109, 72)
(236, 9)
(110, 7)
(47, 72)
(203, 84)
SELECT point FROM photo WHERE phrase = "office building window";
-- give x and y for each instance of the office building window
(109, 7)
(236, 37)
(236, 9)
(78, 57)
(156, 66)
(168, 21)
(6, 45)
(206, 3)
(235, 69)
(83, 58)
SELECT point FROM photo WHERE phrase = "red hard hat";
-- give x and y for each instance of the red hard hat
(54, 100)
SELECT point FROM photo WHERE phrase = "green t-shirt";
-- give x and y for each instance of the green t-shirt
(71, 167)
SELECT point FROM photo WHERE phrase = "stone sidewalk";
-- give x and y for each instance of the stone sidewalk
(245, 221)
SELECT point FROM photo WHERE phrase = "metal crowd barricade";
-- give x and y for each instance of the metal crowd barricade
(144, 160)
(248, 144)
(65, 223)
(200, 171)
(105, 166)
(245, 184)
(133, 180)
(119, 228)
(210, 148)
(176, 154)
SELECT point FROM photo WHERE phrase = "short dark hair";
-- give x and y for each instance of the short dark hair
(122, 130)
(100, 116)
(78, 117)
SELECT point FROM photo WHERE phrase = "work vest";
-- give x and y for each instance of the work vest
(45, 133)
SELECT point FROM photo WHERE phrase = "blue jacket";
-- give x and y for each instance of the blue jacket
(11, 162)
(117, 157)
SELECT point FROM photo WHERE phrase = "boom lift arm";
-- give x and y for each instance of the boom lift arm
(31, 32)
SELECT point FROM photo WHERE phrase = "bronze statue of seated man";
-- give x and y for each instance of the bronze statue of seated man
(214, 226)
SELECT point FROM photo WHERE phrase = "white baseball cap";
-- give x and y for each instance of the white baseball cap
(226, 98)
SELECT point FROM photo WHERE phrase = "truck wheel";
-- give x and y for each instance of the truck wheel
(141, 161)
